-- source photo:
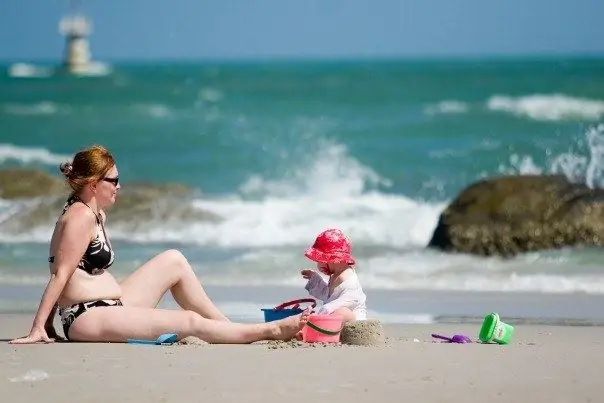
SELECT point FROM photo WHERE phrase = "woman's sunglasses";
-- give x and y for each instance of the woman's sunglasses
(115, 180)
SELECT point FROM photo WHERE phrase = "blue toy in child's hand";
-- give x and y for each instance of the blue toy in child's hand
(166, 338)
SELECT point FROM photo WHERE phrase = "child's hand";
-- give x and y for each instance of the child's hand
(307, 273)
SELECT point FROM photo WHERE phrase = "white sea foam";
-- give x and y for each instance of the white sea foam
(27, 70)
(540, 107)
(28, 155)
(548, 107)
(268, 223)
(158, 111)
(35, 109)
(446, 107)
(585, 167)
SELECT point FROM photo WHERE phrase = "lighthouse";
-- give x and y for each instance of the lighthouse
(76, 28)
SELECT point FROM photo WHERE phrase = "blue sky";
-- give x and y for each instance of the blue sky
(201, 29)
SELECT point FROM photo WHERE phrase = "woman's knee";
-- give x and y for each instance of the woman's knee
(176, 259)
(192, 322)
(174, 255)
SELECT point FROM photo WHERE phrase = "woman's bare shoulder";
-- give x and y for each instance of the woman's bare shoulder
(78, 216)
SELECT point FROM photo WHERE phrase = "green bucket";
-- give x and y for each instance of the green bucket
(493, 329)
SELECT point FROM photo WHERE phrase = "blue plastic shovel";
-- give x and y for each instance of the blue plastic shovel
(164, 339)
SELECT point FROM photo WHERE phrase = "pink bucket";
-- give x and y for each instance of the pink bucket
(323, 329)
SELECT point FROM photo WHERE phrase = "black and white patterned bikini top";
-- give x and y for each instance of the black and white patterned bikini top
(99, 254)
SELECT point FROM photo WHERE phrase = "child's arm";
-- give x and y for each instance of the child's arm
(317, 287)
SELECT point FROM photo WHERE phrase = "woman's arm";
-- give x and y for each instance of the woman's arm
(51, 316)
(73, 242)
(49, 326)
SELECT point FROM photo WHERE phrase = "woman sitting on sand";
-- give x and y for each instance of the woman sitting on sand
(94, 307)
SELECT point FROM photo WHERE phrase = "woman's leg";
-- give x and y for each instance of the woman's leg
(169, 270)
(119, 323)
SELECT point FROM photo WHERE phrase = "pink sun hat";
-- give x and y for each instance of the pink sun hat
(331, 246)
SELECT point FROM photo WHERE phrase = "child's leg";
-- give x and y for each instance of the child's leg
(348, 315)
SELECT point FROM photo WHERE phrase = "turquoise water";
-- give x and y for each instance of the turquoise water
(281, 150)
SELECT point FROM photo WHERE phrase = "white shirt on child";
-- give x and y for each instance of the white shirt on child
(349, 294)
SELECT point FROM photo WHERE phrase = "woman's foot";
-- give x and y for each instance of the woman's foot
(286, 329)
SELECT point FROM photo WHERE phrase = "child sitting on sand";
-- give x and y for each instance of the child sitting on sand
(343, 293)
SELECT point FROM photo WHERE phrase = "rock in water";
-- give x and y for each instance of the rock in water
(42, 197)
(513, 214)
(26, 183)
(363, 333)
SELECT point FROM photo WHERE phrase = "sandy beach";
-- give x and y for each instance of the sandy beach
(542, 364)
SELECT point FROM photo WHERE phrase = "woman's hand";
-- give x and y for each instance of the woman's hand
(36, 335)
(307, 273)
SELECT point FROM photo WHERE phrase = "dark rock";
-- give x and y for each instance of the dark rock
(27, 183)
(43, 196)
(513, 214)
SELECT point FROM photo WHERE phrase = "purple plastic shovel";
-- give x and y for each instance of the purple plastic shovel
(458, 338)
